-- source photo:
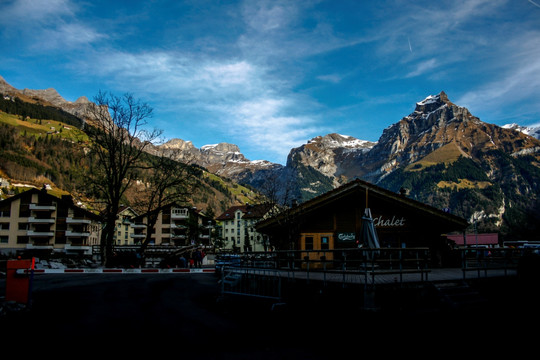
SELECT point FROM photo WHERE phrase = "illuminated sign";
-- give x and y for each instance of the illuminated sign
(346, 236)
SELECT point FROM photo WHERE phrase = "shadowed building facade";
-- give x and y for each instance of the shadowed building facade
(334, 220)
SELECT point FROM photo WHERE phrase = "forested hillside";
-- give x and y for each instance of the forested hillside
(45, 145)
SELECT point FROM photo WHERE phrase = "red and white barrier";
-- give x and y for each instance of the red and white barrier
(117, 271)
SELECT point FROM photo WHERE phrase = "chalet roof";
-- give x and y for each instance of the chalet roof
(370, 191)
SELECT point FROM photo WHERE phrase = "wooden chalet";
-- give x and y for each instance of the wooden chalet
(334, 220)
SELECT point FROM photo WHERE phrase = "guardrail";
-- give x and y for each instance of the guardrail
(261, 274)
(484, 259)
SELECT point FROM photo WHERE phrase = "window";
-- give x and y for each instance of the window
(309, 242)
(4, 239)
(4, 226)
(22, 239)
(325, 243)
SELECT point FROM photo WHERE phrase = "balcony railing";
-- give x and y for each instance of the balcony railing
(40, 233)
(38, 207)
(71, 220)
(137, 236)
(77, 233)
(39, 246)
(179, 214)
(33, 219)
(138, 226)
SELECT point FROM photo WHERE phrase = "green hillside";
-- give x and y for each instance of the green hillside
(35, 152)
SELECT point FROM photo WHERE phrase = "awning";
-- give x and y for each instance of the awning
(473, 239)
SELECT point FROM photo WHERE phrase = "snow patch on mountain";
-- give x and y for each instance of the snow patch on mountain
(533, 131)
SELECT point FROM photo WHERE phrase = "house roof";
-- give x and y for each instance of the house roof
(371, 191)
(67, 201)
(249, 211)
(195, 211)
(472, 239)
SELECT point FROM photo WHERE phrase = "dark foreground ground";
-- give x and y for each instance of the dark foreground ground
(182, 315)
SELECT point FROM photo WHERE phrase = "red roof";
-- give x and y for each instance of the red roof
(483, 239)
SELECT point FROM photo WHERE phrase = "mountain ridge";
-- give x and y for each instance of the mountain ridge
(441, 153)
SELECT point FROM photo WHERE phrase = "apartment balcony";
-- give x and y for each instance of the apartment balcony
(71, 220)
(174, 236)
(78, 248)
(179, 214)
(178, 226)
(35, 220)
(202, 236)
(70, 233)
(39, 247)
(37, 207)
(138, 226)
(137, 236)
(33, 233)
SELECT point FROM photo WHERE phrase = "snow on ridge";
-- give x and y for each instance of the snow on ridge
(429, 100)
(209, 146)
(345, 141)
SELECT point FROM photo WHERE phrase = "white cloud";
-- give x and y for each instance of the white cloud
(229, 74)
(332, 78)
(29, 12)
(264, 16)
(239, 97)
(423, 67)
(264, 123)
(47, 25)
(516, 81)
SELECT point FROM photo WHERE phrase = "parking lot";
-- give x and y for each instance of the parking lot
(128, 314)
(184, 315)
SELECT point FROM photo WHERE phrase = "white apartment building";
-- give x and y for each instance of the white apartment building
(124, 228)
(38, 222)
(238, 228)
(176, 225)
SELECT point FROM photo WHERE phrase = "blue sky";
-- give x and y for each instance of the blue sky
(270, 75)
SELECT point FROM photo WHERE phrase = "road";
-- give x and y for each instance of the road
(183, 315)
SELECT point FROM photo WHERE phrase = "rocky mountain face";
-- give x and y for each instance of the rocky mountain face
(328, 155)
(441, 155)
(448, 158)
(47, 97)
(222, 159)
(439, 127)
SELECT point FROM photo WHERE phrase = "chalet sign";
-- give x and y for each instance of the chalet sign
(394, 221)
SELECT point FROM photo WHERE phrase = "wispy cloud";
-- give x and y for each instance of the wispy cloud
(515, 82)
(423, 67)
(252, 105)
(47, 25)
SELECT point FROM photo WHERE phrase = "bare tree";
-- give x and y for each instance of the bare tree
(279, 192)
(165, 181)
(118, 140)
